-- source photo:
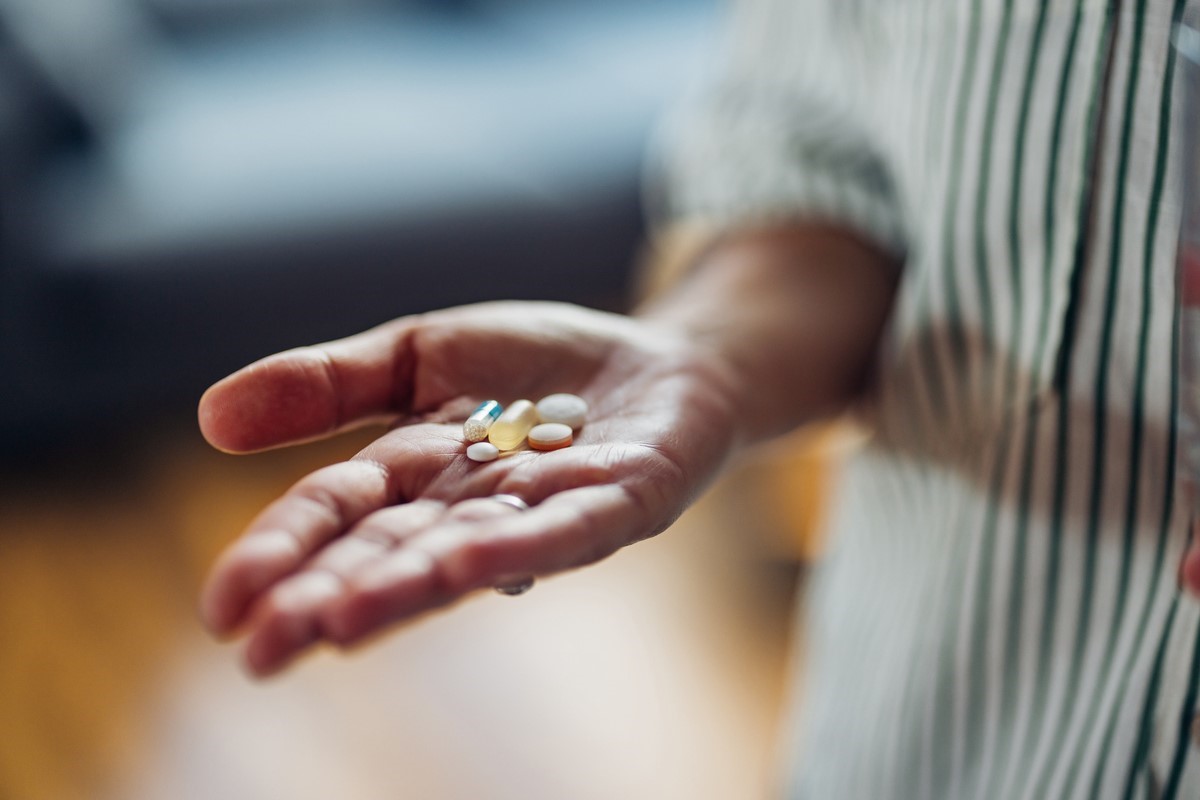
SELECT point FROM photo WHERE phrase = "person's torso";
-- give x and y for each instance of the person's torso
(1002, 592)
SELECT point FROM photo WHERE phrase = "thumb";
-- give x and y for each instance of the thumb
(311, 392)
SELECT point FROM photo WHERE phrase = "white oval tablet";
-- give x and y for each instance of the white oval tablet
(483, 451)
(567, 409)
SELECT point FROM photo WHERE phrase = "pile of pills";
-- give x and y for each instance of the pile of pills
(548, 425)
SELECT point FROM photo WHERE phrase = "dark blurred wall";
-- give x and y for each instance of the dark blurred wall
(188, 185)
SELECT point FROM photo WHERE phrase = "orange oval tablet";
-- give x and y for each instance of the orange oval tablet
(550, 436)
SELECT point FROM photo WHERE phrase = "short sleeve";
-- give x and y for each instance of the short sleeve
(778, 134)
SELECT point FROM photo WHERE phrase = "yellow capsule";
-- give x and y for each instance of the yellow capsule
(510, 429)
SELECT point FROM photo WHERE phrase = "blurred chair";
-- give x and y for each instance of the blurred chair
(186, 185)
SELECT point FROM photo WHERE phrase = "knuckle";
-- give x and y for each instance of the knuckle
(350, 619)
(587, 527)
(377, 534)
(391, 491)
(253, 562)
(321, 501)
(272, 612)
(468, 565)
(347, 490)
(475, 510)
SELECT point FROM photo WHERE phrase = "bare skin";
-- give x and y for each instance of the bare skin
(771, 329)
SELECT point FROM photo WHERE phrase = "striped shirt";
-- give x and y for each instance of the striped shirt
(999, 616)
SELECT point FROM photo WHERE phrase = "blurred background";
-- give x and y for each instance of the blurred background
(188, 185)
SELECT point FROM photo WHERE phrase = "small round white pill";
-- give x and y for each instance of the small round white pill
(567, 409)
(483, 451)
(550, 436)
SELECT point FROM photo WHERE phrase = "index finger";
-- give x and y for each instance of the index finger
(312, 392)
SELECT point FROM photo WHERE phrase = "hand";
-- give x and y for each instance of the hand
(405, 526)
(1189, 567)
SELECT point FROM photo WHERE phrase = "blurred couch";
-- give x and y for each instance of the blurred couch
(187, 185)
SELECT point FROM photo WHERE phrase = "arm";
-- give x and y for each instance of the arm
(795, 313)
(769, 330)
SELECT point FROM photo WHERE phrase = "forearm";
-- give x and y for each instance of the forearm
(792, 314)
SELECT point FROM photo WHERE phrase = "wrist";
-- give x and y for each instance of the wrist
(787, 321)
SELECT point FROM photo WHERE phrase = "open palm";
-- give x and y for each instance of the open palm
(406, 526)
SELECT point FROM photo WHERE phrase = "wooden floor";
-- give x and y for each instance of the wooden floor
(656, 674)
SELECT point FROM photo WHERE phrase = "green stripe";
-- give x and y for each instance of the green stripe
(938, 381)
(976, 673)
(909, 783)
(1183, 740)
(944, 667)
(929, 71)
(898, 492)
(954, 322)
(1138, 422)
(944, 703)
(1062, 438)
(982, 272)
(1012, 633)
(1100, 391)
(936, 145)
(1141, 751)
(1017, 587)
(928, 361)
(944, 739)
(905, 493)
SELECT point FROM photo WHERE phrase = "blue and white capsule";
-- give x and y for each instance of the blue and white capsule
(476, 428)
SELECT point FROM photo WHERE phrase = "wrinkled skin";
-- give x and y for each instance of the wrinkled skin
(405, 526)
